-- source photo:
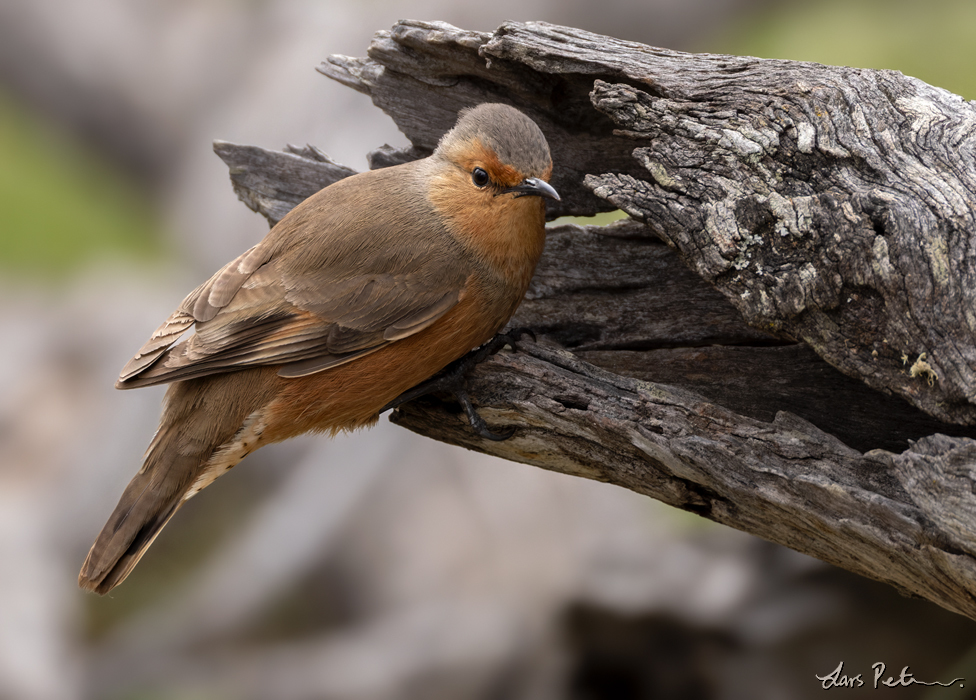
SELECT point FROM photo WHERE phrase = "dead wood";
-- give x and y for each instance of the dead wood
(797, 362)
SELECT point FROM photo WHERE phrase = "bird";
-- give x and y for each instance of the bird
(363, 291)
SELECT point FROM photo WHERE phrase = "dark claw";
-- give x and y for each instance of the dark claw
(516, 334)
(477, 422)
(451, 379)
(502, 339)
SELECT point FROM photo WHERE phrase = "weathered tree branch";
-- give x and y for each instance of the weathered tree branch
(826, 216)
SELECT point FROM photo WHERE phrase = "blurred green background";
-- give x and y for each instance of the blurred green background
(63, 205)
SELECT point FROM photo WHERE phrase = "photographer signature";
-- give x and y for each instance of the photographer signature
(838, 679)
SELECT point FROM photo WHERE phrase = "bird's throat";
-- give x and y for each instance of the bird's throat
(507, 233)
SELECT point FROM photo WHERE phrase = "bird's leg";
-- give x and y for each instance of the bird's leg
(451, 379)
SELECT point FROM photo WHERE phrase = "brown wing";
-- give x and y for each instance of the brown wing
(201, 304)
(317, 292)
(265, 324)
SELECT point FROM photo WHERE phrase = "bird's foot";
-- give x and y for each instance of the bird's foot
(451, 380)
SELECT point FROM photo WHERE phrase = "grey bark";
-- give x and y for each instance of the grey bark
(797, 362)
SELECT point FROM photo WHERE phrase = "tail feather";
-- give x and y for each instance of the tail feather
(104, 570)
(147, 504)
(208, 426)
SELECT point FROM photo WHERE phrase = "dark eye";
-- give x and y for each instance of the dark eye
(479, 177)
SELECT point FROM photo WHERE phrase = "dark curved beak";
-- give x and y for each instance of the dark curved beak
(533, 187)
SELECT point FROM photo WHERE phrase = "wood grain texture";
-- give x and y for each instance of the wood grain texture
(273, 182)
(904, 519)
(798, 361)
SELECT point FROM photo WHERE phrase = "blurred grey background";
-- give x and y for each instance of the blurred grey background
(378, 565)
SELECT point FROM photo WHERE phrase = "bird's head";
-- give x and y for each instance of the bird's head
(489, 184)
(500, 152)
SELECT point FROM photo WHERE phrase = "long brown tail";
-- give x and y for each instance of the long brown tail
(146, 505)
(200, 416)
